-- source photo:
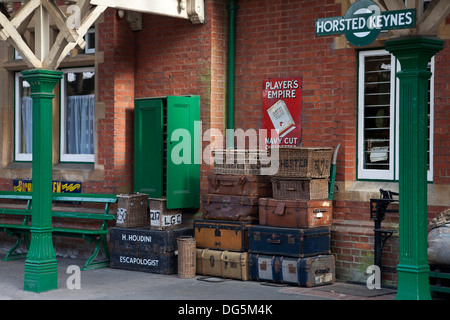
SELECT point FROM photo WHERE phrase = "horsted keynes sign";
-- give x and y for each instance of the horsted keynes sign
(364, 20)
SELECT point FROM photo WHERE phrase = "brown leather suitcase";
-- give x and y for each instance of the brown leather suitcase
(240, 185)
(222, 263)
(223, 235)
(226, 207)
(295, 213)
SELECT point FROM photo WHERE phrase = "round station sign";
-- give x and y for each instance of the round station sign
(363, 22)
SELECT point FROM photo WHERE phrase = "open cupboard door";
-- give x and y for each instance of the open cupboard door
(165, 150)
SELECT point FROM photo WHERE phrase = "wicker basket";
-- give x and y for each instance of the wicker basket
(304, 162)
(132, 210)
(237, 162)
(302, 189)
(162, 218)
(186, 257)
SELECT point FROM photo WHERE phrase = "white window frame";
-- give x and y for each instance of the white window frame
(88, 49)
(18, 156)
(374, 173)
(393, 172)
(65, 157)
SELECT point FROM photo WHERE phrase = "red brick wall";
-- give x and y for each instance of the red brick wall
(116, 91)
(276, 39)
(176, 57)
(442, 116)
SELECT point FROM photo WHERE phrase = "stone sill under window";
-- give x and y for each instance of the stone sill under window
(438, 194)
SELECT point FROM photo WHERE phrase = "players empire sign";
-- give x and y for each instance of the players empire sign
(281, 102)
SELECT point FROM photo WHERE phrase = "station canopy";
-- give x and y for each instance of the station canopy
(26, 26)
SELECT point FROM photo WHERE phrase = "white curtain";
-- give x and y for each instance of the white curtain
(26, 112)
(80, 124)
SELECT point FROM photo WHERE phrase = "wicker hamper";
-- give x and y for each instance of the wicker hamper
(238, 162)
(162, 218)
(299, 188)
(132, 210)
(304, 162)
(186, 257)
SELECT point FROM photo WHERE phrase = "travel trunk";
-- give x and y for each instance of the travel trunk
(226, 207)
(289, 241)
(240, 185)
(306, 272)
(224, 264)
(146, 250)
(224, 235)
(295, 213)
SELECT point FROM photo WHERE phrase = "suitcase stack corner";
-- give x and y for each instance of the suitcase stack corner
(291, 244)
(228, 209)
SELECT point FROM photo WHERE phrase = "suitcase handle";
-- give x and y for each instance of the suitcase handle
(322, 271)
(274, 241)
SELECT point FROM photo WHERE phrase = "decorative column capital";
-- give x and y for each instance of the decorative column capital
(414, 52)
(41, 80)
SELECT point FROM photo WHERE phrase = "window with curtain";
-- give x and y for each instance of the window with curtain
(378, 116)
(77, 115)
(23, 120)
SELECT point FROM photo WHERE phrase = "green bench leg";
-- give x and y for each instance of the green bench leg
(89, 265)
(15, 256)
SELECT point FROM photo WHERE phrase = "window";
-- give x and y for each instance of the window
(378, 116)
(77, 115)
(23, 120)
(90, 41)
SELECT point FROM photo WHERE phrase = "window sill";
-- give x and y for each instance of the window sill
(74, 166)
(363, 190)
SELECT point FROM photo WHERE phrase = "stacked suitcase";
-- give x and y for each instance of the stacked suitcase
(146, 237)
(285, 238)
(291, 244)
(229, 208)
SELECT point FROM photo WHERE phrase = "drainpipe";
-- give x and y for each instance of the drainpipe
(232, 8)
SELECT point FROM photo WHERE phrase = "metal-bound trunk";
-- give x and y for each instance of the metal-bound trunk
(307, 272)
(240, 185)
(146, 250)
(224, 235)
(289, 241)
(225, 207)
(295, 213)
(224, 264)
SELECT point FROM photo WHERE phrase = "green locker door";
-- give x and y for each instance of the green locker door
(183, 174)
(167, 168)
(148, 147)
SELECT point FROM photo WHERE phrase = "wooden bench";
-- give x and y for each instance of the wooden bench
(21, 230)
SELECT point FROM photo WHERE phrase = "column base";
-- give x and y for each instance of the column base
(413, 283)
(41, 266)
(41, 276)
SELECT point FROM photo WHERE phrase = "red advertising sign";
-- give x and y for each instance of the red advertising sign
(282, 107)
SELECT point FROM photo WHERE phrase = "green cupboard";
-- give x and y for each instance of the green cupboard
(165, 147)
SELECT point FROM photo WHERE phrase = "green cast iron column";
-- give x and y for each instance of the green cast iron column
(41, 270)
(414, 53)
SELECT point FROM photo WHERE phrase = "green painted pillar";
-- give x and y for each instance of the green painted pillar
(41, 270)
(414, 53)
